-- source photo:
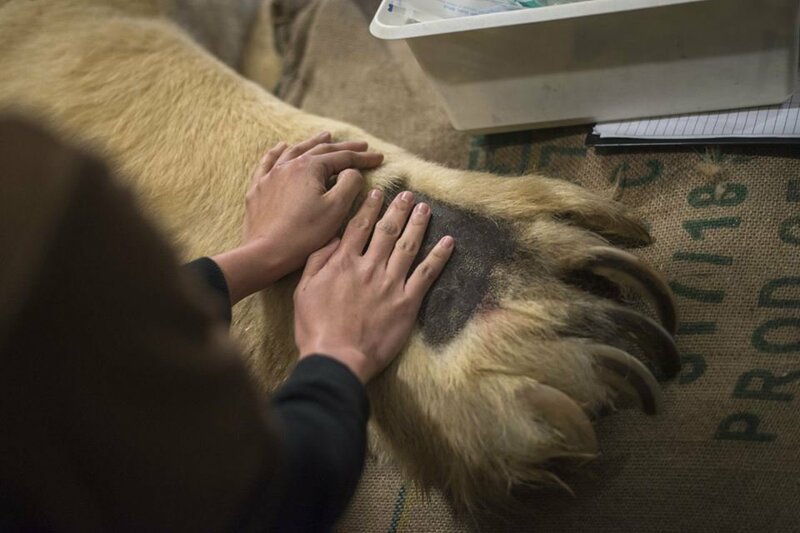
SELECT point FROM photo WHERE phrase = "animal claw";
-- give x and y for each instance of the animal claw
(565, 416)
(654, 340)
(627, 374)
(626, 269)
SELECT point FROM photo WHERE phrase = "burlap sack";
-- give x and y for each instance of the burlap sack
(725, 456)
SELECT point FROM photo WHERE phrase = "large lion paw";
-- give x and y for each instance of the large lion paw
(528, 335)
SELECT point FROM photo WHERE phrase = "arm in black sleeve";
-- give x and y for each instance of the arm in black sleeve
(323, 410)
(211, 275)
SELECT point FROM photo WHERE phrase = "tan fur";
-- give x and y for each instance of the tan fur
(185, 130)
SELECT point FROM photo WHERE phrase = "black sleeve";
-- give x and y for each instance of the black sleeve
(211, 275)
(323, 410)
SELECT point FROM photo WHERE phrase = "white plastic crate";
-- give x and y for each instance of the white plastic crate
(602, 60)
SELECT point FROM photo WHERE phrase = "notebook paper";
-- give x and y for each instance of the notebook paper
(780, 121)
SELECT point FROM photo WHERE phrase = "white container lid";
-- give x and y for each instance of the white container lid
(382, 28)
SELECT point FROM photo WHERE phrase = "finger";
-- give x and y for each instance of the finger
(268, 161)
(357, 232)
(318, 259)
(409, 243)
(326, 148)
(304, 146)
(430, 268)
(335, 162)
(388, 229)
(348, 184)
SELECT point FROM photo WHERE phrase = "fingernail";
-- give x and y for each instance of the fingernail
(422, 209)
(324, 134)
(447, 242)
(406, 196)
(375, 193)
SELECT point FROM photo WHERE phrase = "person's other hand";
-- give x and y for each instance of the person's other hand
(357, 307)
(290, 212)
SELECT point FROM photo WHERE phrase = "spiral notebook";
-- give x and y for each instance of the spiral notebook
(778, 123)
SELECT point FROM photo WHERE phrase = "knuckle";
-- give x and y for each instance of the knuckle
(254, 191)
(388, 227)
(387, 286)
(368, 271)
(401, 204)
(406, 307)
(317, 150)
(351, 173)
(316, 254)
(314, 166)
(426, 271)
(360, 223)
(296, 164)
(350, 156)
(338, 263)
(408, 246)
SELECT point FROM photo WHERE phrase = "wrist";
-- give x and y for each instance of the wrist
(249, 268)
(355, 360)
(273, 255)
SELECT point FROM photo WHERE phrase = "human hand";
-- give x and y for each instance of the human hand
(359, 308)
(289, 210)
